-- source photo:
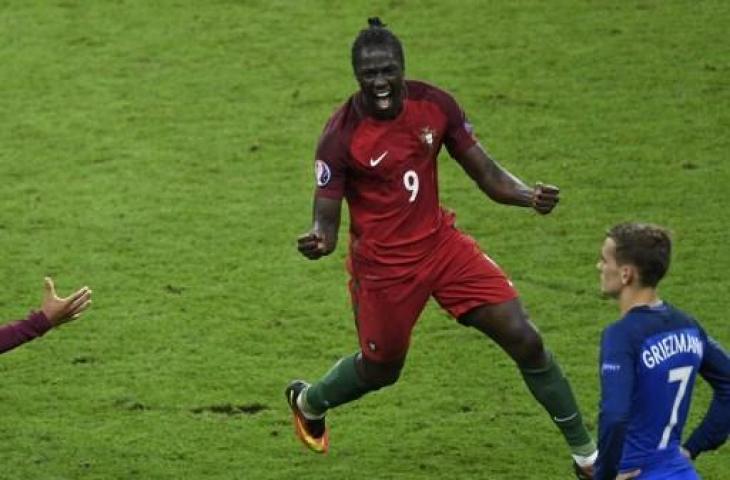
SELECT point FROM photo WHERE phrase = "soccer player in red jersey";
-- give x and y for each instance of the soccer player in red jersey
(54, 311)
(379, 152)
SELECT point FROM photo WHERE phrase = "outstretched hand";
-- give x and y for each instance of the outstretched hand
(628, 475)
(312, 245)
(61, 310)
(545, 198)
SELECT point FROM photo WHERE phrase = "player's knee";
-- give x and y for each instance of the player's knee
(523, 342)
(379, 375)
(529, 350)
(386, 379)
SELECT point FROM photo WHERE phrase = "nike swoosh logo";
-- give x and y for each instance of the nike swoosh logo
(375, 162)
(565, 419)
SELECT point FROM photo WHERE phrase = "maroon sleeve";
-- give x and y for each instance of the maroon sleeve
(330, 163)
(17, 333)
(329, 166)
(459, 135)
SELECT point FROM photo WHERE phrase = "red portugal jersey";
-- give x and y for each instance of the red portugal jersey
(387, 172)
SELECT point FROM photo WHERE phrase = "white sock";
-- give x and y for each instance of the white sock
(304, 408)
(583, 461)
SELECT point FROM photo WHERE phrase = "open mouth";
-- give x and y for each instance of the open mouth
(383, 100)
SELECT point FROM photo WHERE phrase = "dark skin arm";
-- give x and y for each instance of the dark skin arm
(503, 187)
(321, 239)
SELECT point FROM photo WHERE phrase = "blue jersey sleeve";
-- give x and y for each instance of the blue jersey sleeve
(714, 429)
(617, 385)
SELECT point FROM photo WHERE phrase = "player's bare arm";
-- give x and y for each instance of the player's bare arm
(502, 186)
(61, 310)
(321, 239)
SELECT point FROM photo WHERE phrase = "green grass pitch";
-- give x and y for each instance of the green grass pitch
(161, 152)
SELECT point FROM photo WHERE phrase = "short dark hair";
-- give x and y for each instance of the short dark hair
(377, 35)
(646, 246)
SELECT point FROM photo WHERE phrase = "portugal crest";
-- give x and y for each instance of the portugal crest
(427, 136)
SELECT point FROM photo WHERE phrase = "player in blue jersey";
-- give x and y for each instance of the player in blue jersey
(650, 359)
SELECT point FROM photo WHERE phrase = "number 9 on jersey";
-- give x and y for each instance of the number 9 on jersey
(410, 181)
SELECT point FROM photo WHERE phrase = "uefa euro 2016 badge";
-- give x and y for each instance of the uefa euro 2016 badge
(427, 136)
(322, 173)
